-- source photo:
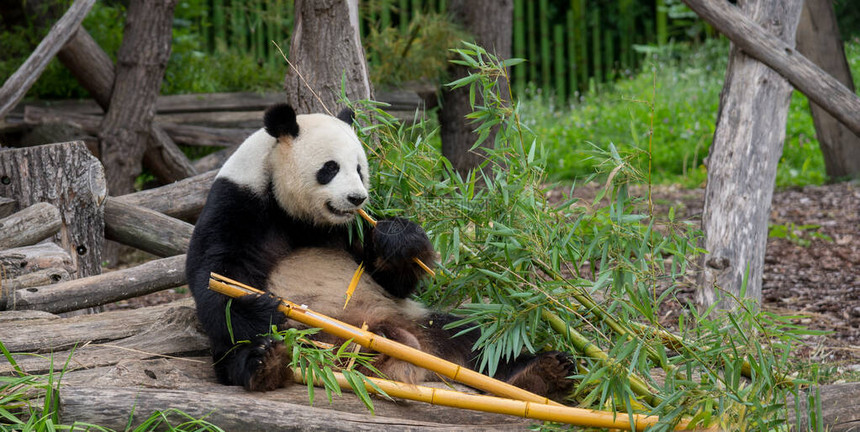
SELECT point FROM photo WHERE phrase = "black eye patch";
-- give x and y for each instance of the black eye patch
(327, 172)
(360, 175)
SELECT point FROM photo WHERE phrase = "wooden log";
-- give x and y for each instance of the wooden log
(171, 331)
(234, 119)
(113, 406)
(780, 56)
(840, 408)
(145, 229)
(106, 288)
(742, 164)
(69, 177)
(214, 161)
(34, 279)
(164, 158)
(22, 261)
(16, 86)
(7, 206)
(22, 316)
(818, 39)
(183, 199)
(51, 333)
(29, 226)
(181, 134)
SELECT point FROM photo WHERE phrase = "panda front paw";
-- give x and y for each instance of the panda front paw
(263, 365)
(398, 242)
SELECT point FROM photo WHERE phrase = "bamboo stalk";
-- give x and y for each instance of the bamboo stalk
(545, 62)
(450, 398)
(573, 70)
(371, 221)
(596, 52)
(532, 42)
(558, 41)
(589, 349)
(393, 348)
(519, 47)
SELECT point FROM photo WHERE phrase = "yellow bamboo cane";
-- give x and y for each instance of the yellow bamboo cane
(574, 416)
(392, 348)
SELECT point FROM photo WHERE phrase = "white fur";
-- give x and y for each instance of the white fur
(292, 165)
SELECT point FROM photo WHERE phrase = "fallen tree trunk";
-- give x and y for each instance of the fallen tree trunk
(840, 408)
(29, 226)
(113, 407)
(816, 84)
(106, 288)
(145, 229)
(183, 199)
(16, 86)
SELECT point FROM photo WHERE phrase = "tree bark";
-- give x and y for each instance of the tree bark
(69, 177)
(329, 27)
(490, 22)
(17, 85)
(818, 39)
(806, 77)
(742, 164)
(141, 62)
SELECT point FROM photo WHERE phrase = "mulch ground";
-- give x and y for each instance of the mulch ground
(812, 263)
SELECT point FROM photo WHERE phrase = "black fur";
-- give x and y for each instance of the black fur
(347, 116)
(280, 120)
(326, 174)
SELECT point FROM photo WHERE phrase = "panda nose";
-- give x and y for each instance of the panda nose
(356, 200)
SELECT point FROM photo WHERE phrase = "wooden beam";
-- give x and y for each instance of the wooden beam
(7, 206)
(16, 86)
(182, 200)
(145, 229)
(780, 56)
(106, 288)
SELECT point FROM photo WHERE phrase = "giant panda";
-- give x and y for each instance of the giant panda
(278, 218)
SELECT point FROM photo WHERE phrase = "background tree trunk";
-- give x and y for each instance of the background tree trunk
(326, 46)
(490, 22)
(818, 39)
(141, 62)
(742, 164)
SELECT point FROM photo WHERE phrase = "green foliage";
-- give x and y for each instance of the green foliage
(318, 365)
(417, 53)
(528, 273)
(801, 235)
(687, 83)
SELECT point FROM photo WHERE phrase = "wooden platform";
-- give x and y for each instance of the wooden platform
(155, 358)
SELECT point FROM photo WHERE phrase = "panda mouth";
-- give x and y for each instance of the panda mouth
(337, 212)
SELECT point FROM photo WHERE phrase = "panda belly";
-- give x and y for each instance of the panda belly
(319, 278)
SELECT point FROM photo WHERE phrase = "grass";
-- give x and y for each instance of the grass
(688, 84)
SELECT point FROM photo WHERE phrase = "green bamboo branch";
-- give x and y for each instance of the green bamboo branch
(583, 345)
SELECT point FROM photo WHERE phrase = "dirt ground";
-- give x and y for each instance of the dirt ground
(812, 263)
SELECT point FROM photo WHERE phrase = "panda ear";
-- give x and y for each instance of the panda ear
(347, 116)
(280, 120)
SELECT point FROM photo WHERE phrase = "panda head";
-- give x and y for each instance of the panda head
(317, 166)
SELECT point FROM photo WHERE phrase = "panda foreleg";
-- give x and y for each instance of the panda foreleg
(390, 252)
(241, 354)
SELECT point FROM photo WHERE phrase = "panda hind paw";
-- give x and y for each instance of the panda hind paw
(269, 363)
(547, 374)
